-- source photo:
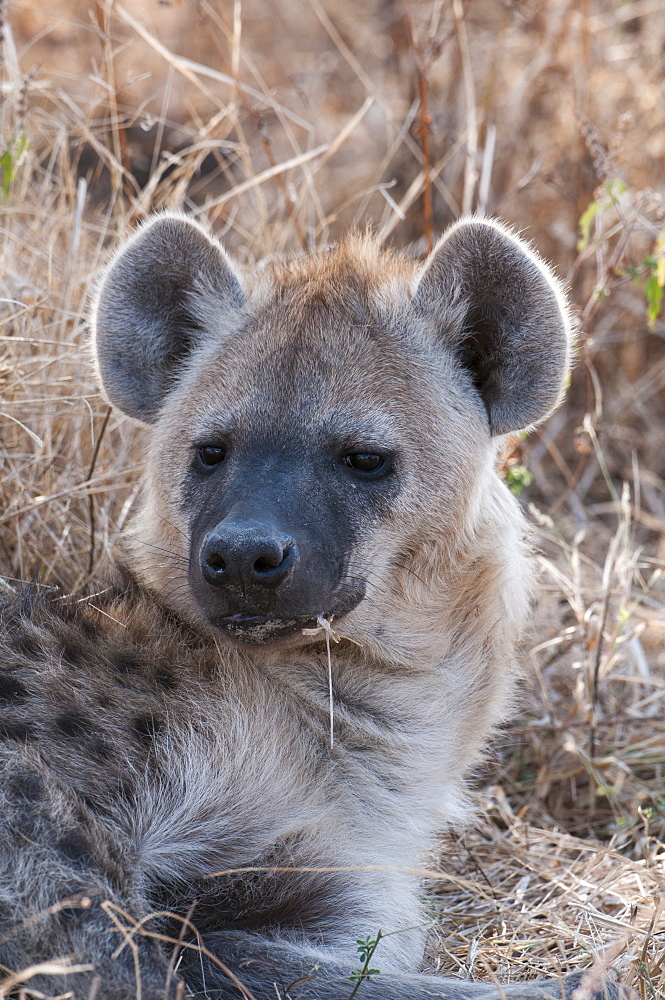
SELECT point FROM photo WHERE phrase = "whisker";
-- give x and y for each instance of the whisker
(174, 527)
(160, 548)
(410, 570)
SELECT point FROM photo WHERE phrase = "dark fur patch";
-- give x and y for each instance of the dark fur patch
(259, 901)
(146, 728)
(12, 690)
(88, 628)
(22, 732)
(125, 663)
(165, 678)
(100, 749)
(72, 653)
(73, 725)
(27, 786)
(75, 847)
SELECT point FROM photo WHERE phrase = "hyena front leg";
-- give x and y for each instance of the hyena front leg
(68, 897)
(268, 969)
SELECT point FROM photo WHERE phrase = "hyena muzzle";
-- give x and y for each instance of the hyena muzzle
(198, 799)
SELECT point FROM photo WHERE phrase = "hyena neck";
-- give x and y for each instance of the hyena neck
(452, 677)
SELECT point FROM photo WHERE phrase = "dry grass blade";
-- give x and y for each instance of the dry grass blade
(265, 175)
(58, 967)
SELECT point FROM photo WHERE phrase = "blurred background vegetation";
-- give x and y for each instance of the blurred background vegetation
(284, 123)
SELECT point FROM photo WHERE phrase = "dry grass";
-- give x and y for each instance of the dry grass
(284, 124)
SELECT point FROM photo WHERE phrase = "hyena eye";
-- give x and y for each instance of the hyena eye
(364, 461)
(211, 454)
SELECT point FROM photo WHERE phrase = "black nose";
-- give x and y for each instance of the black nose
(247, 554)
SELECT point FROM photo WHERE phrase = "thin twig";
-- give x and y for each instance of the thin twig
(91, 501)
(470, 166)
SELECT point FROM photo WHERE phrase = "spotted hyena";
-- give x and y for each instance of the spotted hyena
(196, 799)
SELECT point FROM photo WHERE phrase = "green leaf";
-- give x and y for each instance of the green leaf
(613, 190)
(654, 293)
(10, 161)
(586, 219)
(517, 478)
(8, 171)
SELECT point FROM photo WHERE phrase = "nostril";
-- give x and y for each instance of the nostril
(213, 566)
(215, 562)
(271, 568)
(270, 560)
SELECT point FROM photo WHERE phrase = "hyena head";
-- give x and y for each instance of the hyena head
(322, 430)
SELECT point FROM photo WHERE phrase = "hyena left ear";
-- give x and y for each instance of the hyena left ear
(500, 308)
(168, 287)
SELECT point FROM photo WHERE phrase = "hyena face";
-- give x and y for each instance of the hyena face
(322, 431)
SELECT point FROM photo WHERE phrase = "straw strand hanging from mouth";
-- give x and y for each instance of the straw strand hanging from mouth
(324, 624)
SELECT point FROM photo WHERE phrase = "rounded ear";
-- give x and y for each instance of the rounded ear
(497, 304)
(167, 289)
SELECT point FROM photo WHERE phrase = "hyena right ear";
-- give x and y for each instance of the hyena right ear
(164, 288)
(491, 299)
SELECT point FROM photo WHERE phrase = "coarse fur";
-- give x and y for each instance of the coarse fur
(176, 815)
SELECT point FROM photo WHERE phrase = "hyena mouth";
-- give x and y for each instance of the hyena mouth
(253, 628)
(262, 628)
